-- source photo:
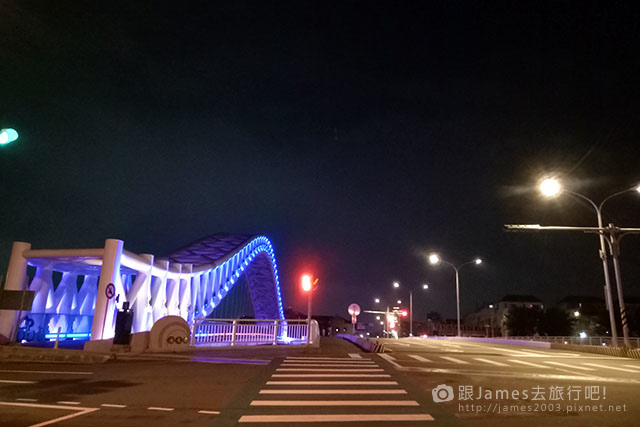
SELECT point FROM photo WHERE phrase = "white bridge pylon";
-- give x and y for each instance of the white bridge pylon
(154, 288)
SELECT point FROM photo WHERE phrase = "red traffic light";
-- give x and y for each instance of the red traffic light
(306, 282)
(405, 313)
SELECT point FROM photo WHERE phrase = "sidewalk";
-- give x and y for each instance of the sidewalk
(329, 347)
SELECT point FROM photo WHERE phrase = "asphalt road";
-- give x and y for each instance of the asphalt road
(333, 385)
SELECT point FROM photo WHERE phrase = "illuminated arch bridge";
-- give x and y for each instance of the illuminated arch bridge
(93, 284)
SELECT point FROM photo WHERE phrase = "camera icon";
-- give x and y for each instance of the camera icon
(442, 393)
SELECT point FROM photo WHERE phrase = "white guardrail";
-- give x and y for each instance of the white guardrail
(232, 332)
(602, 341)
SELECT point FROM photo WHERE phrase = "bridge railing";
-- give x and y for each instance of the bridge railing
(231, 332)
(602, 341)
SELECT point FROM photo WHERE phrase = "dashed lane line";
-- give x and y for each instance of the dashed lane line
(334, 403)
(160, 408)
(491, 362)
(113, 405)
(333, 391)
(454, 360)
(16, 382)
(24, 399)
(66, 402)
(632, 367)
(209, 412)
(334, 418)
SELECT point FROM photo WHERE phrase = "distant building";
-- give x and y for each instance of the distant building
(510, 301)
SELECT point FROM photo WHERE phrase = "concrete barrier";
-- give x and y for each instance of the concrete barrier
(364, 344)
(524, 343)
(609, 351)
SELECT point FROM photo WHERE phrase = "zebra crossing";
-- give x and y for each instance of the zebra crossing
(331, 390)
(587, 365)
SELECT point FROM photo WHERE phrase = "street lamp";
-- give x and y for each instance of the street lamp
(435, 259)
(551, 187)
(307, 286)
(377, 300)
(425, 287)
(8, 135)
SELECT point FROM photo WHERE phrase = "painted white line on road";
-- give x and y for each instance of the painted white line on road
(79, 411)
(334, 403)
(20, 371)
(330, 370)
(160, 408)
(565, 365)
(633, 367)
(355, 356)
(399, 343)
(16, 382)
(328, 365)
(611, 367)
(209, 412)
(332, 383)
(66, 402)
(331, 375)
(491, 362)
(419, 358)
(334, 391)
(24, 399)
(332, 418)
(113, 405)
(535, 365)
(318, 358)
(390, 359)
(454, 360)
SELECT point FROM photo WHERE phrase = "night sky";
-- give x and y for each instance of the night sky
(358, 136)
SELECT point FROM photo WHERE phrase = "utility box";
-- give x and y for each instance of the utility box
(124, 320)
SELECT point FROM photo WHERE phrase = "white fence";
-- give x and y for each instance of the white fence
(226, 332)
(602, 341)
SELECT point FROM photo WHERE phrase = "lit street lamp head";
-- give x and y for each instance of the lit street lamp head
(434, 259)
(425, 286)
(550, 187)
(377, 300)
(638, 188)
(478, 261)
(396, 284)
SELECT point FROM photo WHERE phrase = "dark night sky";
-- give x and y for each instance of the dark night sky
(356, 135)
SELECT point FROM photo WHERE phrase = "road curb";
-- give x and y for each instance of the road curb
(12, 353)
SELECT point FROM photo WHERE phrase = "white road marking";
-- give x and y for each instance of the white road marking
(20, 371)
(113, 405)
(159, 408)
(400, 344)
(16, 382)
(334, 403)
(330, 370)
(569, 366)
(209, 412)
(24, 399)
(355, 356)
(610, 367)
(79, 411)
(330, 365)
(66, 402)
(419, 358)
(492, 362)
(332, 418)
(454, 360)
(390, 359)
(332, 383)
(334, 391)
(633, 367)
(535, 365)
(318, 358)
(331, 375)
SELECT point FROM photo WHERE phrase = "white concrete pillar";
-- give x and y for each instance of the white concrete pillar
(16, 281)
(159, 292)
(186, 309)
(173, 287)
(105, 307)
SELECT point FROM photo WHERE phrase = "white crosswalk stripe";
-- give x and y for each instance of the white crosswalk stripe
(454, 360)
(565, 365)
(632, 367)
(610, 367)
(419, 358)
(491, 362)
(535, 365)
(358, 410)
